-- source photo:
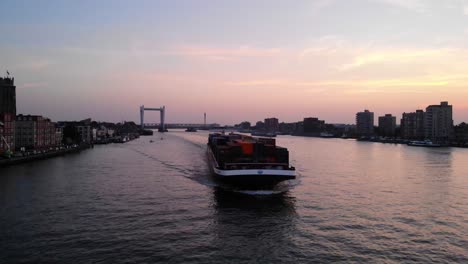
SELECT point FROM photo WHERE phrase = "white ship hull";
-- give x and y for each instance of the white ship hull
(248, 177)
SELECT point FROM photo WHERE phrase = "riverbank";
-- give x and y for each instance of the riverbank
(383, 140)
(40, 156)
(45, 154)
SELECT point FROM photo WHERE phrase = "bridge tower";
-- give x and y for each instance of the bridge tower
(162, 111)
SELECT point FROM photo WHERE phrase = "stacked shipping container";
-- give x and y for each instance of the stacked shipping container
(239, 149)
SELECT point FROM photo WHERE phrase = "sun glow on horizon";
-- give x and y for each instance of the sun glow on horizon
(276, 61)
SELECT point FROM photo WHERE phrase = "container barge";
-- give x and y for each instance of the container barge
(248, 162)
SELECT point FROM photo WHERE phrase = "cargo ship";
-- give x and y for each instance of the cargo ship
(248, 162)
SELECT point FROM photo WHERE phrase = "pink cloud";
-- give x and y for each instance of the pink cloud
(214, 53)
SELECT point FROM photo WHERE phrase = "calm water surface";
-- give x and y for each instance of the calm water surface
(156, 202)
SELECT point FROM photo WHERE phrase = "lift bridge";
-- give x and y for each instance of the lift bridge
(162, 126)
(162, 111)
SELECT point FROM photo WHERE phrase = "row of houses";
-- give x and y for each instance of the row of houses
(34, 132)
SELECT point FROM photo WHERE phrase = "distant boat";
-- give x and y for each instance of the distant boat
(151, 141)
(326, 135)
(425, 143)
(191, 129)
(263, 134)
(146, 132)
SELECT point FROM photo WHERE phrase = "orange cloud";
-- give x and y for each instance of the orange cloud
(398, 57)
(423, 81)
(414, 5)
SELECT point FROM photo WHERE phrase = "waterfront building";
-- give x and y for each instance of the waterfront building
(412, 125)
(343, 130)
(313, 125)
(36, 132)
(287, 128)
(438, 125)
(461, 134)
(387, 125)
(271, 124)
(53, 134)
(7, 132)
(245, 125)
(2, 143)
(76, 132)
(102, 132)
(85, 133)
(299, 128)
(26, 132)
(58, 135)
(49, 133)
(365, 123)
(8, 96)
(259, 125)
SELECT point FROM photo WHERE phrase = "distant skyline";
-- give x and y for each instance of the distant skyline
(235, 60)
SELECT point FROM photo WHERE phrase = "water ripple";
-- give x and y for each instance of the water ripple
(144, 202)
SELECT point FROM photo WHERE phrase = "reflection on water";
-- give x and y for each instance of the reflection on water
(253, 227)
(438, 160)
(157, 202)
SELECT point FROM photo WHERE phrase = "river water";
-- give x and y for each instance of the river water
(143, 202)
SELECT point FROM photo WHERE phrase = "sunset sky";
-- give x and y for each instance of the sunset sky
(235, 60)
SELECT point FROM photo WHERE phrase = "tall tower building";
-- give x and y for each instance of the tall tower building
(7, 114)
(7, 96)
(412, 125)
(271, 124)
(438, 125)
(387, 125)
(365, 123)
(312, 125)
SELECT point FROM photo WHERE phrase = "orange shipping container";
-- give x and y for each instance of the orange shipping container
(247, 148)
